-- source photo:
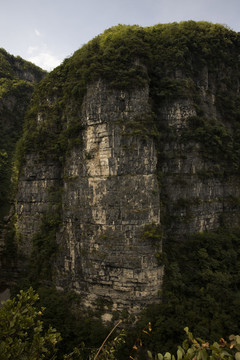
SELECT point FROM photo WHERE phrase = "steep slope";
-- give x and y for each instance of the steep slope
(17, 81)
(137, 121)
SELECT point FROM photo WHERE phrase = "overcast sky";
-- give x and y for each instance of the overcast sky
(47, 31)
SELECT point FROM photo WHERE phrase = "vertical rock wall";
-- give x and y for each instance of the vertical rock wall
(110, 192)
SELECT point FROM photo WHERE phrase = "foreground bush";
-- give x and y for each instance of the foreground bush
(22, 334)
(198, 349)
(23, 337)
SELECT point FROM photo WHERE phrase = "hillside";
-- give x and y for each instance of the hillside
(17, 80)
(129, 170)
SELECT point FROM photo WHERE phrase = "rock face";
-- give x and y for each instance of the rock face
(196, 196)
(158, 160)
(110, 192)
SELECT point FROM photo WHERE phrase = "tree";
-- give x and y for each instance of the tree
(22, 334)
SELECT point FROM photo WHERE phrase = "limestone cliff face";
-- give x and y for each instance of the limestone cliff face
(110, 192)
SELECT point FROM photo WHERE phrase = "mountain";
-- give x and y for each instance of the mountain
(130, 145)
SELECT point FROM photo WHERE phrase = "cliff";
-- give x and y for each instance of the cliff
(17, 81)
(131, 141)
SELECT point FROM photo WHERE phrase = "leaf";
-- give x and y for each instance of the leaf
(190, 352)
(167, 356)
(204, 355)
(224, 353)
(179, 354)
(159, 356)
(145, 332)
(149, 327)
(237, 356)
(238, 339)
(149, 354)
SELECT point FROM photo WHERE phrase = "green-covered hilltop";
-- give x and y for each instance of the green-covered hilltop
(169, 58)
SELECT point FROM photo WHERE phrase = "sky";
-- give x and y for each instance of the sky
(45, 32)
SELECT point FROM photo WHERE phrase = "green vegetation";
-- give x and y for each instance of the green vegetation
(219, 142)
(28, 322)
(12, 67)
(14, 98)
(201, 280)
(17, 78)
(25, 337)
(201, 289)
(129, 57)
(21, 331)
(196, 348)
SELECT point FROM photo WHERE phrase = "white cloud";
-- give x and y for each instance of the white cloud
(42, 57)
(37, 32)
(32, 49)
(45, 60)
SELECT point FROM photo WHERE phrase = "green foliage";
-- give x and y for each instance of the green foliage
(44, 250)
(26, 335)
(128, 57)
(25, 332)
(110, 351)
(12, 67)
(143, 126)
(196, 348)
(10, 247)
(64, 311)
(11, 121)
(44, 244)
(153, 233)
(15, 94)
(219, 143)
(80, 329)
(22, 335)
(201, 280)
